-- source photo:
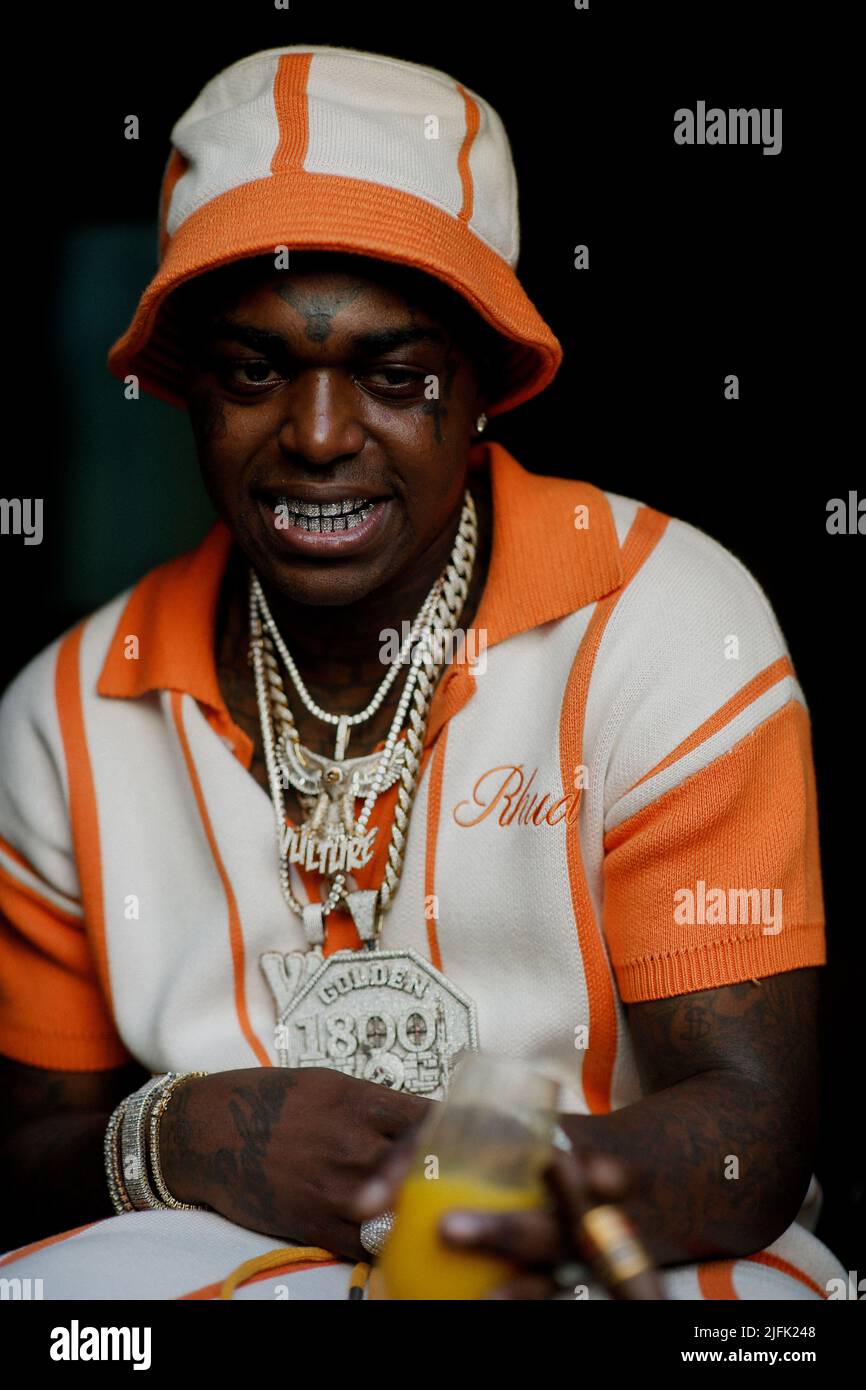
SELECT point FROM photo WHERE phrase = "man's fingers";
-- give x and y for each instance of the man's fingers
(528, 1237)
(380, 1192)
(581, 1179)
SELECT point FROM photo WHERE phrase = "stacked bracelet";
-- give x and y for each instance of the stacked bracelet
(131, 1148)
(133, 1134)
(116, 1186)
(156, 1115)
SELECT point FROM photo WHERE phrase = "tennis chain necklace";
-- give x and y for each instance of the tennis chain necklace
(383, 1015)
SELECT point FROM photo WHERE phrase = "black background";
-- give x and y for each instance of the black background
(703, 262)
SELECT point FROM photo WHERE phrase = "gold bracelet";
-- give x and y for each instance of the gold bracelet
(612, 1239)
(153, 1145)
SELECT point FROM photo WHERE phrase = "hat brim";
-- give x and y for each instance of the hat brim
(328, 212)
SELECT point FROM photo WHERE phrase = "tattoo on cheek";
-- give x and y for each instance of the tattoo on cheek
(438, 409)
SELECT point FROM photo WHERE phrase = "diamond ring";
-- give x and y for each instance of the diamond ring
(375, 1232)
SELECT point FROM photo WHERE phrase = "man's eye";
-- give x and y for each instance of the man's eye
(392, 381)
(248, 371)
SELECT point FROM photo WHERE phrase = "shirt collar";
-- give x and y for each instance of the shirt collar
(543, 565)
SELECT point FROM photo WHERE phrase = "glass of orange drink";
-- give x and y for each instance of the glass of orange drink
(484, 1148)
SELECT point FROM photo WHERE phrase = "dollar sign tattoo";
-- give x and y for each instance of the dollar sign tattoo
(698, 1025)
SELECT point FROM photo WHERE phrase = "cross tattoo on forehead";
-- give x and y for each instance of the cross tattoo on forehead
(318, 311)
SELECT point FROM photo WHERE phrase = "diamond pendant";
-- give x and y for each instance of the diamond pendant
(384, 1016)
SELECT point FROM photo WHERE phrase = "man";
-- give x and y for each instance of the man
(599, 843)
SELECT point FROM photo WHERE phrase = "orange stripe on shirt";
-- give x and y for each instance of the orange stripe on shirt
(43, 1244)
(763, 1257)
(434, 806)
(39, 899)
(473, 121)
(770, 676)
(644, 535)
(290, 102)
(716, 1281)
(753, 811)
(83, 811)
(19, 858)
(236, 939)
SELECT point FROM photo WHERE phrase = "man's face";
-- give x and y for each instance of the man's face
(332, 387)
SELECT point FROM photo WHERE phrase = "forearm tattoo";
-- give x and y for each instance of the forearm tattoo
(723, 1141)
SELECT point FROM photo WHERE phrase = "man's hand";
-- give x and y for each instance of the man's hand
(535, 1242)
(283, 1150)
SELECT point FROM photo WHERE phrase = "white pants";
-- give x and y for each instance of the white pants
(187, 1255)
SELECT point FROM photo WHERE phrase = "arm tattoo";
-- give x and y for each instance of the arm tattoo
(722, 1142)
(240, 1166)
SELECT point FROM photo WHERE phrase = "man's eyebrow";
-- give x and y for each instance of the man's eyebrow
(246, 333)
(377, 340)
(387, 339)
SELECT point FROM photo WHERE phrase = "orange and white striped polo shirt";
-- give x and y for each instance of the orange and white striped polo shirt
(617, 804)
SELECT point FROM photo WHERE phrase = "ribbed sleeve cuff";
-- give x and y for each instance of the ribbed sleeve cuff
(717, 963)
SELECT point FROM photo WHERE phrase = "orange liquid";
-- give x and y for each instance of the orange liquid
(417, 1264)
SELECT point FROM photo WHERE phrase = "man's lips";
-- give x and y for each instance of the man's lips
(322, 523)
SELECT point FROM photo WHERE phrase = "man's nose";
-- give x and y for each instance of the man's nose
(322, 421)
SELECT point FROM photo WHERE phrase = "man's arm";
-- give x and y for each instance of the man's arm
(730, 1074)
(52, 1125)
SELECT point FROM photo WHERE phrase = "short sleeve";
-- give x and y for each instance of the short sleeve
(53, 1012)
(711, 872)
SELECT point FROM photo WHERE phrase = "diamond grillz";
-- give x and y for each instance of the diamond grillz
(327, 516)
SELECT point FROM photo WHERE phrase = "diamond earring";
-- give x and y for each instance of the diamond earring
(481, 423)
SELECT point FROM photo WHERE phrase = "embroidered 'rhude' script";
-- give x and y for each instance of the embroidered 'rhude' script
(511, 793)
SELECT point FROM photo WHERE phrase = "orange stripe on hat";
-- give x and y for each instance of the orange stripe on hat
(473, 121)
(236, 938)
(290, 101)
(645, 533)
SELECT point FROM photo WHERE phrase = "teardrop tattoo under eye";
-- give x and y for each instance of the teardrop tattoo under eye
(438, 408)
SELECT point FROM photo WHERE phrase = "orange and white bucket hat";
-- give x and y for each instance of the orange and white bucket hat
(333, 149)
